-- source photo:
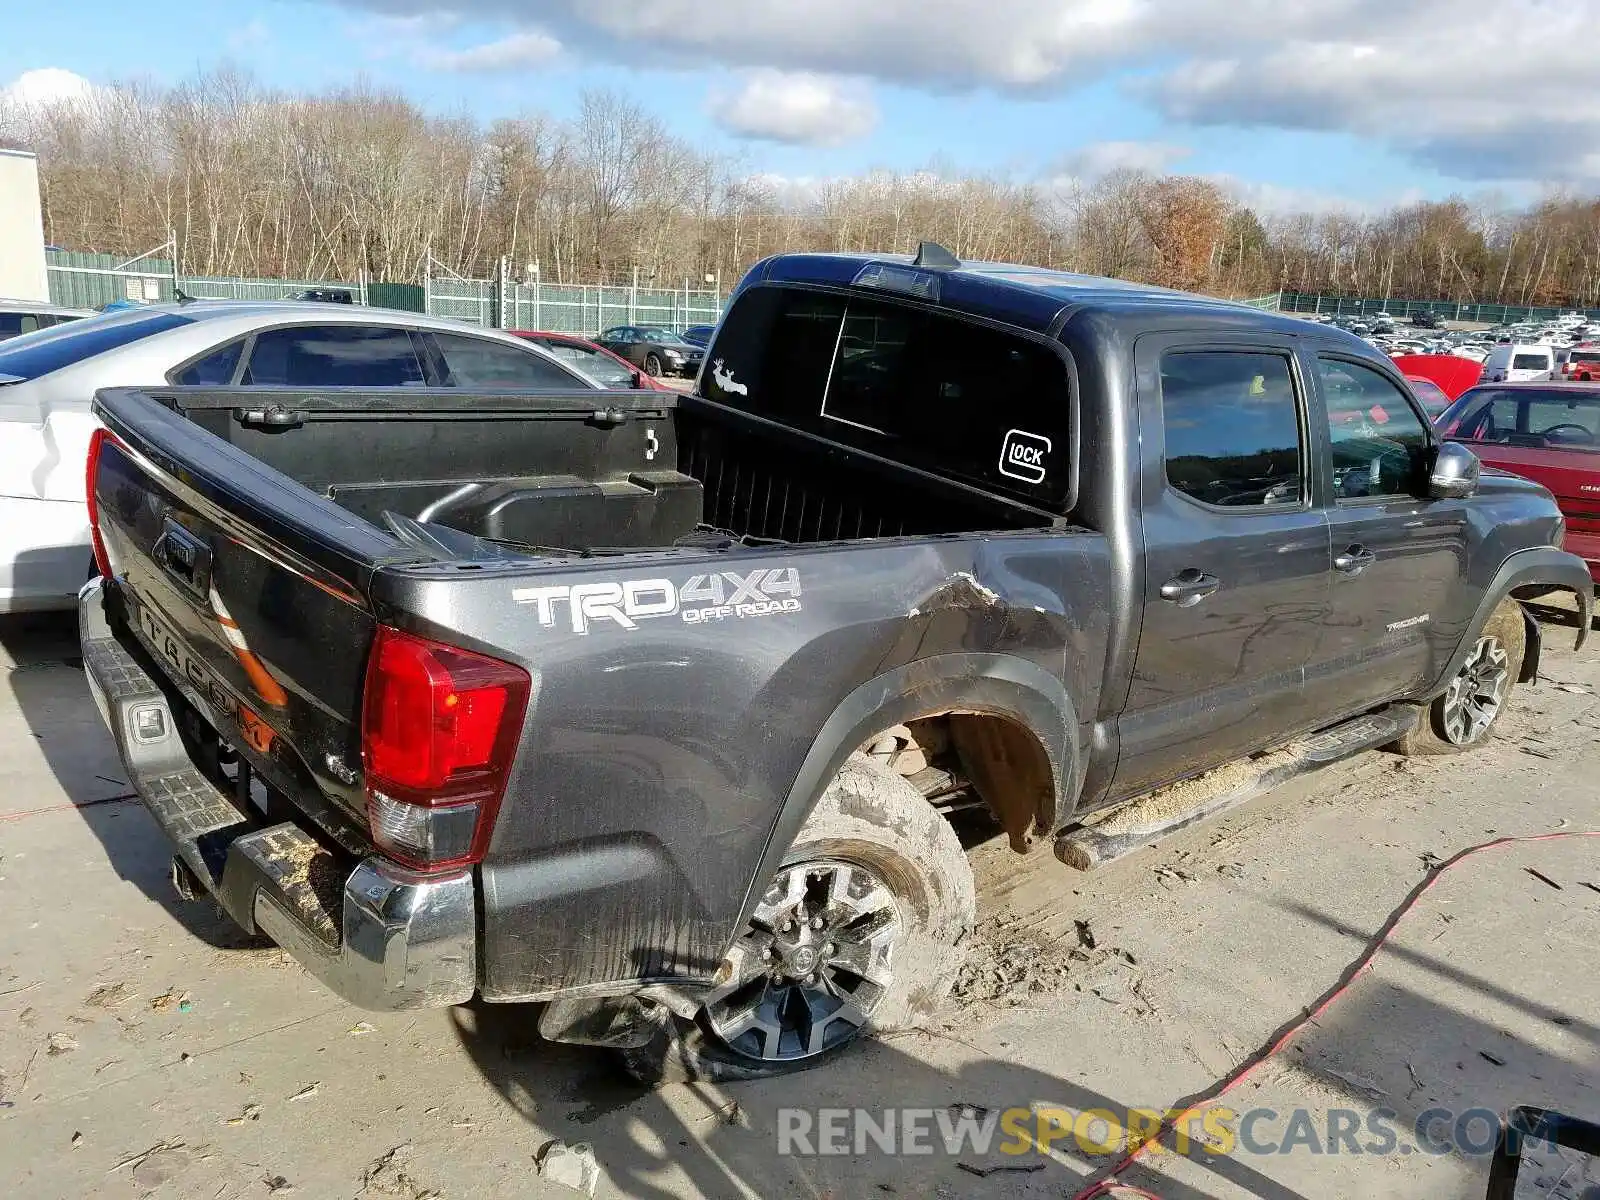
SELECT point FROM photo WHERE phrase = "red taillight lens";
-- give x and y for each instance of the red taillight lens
(102, 561)
(439, 730)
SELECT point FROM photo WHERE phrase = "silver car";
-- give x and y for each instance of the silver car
(49, 378)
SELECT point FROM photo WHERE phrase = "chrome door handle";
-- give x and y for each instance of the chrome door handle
(1188, 587)
(1354, 560)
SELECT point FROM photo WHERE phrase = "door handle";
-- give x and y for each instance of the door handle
(184, 557)
(1188, 587)
(1354, 560)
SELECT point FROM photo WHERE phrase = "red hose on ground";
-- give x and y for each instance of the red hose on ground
(34, 812)
(1107, 1180)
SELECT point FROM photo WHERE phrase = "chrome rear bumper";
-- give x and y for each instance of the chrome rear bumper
(378, 935)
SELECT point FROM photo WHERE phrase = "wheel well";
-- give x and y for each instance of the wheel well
(961, 759)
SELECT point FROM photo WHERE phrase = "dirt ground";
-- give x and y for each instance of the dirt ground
(147, 1049)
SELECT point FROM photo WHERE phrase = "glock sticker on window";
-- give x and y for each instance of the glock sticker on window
(1022, 455)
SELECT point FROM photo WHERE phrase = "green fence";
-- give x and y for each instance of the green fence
(1450, 310)
(94, 280)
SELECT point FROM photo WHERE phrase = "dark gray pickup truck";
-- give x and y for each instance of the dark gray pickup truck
(656, 711)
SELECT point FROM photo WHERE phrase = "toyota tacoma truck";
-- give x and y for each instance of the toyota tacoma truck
(655, 709)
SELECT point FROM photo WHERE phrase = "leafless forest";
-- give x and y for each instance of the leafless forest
(324, 186)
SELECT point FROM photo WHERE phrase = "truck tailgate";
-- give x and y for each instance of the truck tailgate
(266, 643)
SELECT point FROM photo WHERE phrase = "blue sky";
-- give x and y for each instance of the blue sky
(1326, 101)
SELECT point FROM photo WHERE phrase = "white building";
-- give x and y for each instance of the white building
(22, 269)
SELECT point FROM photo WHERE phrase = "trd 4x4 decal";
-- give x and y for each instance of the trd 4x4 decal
(719, 596)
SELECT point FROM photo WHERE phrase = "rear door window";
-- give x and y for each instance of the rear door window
(1231, 421)
(1531, 362)
(334, 356)
(929, 390)
(472, 362)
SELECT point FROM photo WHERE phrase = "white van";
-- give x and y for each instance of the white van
(1519, 363)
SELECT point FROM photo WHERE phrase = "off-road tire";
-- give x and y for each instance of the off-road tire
(868, 817)
(1505, 627)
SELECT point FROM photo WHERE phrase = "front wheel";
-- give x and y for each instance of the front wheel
(861, 929)
(652, 365)
(1464, 715)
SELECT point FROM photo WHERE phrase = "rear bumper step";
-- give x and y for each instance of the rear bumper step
(377, 935)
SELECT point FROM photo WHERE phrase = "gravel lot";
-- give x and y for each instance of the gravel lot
(146, 1048)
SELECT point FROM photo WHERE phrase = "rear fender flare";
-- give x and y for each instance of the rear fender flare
(996, 684)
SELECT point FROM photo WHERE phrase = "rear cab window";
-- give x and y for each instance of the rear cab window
(945, 394)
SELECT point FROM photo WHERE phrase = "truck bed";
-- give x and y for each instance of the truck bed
(257, 547)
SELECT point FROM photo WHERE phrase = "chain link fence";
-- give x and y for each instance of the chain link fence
(1450, 310)
(94, 280)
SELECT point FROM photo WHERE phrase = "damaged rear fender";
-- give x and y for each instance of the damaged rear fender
(980, 683)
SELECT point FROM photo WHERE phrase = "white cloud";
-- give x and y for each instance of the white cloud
(800, 108)
(514, 52)
(1506, 93)
(1101, 158)
(253, 35)
(1489, 88)
(45, 88)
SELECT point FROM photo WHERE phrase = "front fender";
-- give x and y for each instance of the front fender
(1540, 565)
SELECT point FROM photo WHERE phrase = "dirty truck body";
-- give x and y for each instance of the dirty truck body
(511, 696)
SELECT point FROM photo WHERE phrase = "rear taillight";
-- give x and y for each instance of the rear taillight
(439, 729)
(102, 561)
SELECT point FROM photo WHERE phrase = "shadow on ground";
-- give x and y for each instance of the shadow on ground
(723, 1141)
(47, 685)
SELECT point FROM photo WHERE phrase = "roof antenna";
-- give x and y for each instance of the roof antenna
(935, 257)
(181, 296)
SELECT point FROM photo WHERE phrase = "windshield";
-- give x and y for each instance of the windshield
(651, 334)
(34, 354)
(601, 368)
(1536, 418)
(1434, 398)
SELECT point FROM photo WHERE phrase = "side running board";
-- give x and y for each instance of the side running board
(1149, 818)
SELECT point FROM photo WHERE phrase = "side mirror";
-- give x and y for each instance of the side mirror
(1455, 473)
(638, 380)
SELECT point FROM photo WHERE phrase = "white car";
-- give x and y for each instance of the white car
(1519, 362)
(49, 378)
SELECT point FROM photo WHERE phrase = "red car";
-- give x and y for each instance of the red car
(1546, 432)
(1583, 365)
(1451, 374)
(1433, 397)
(599, 364)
